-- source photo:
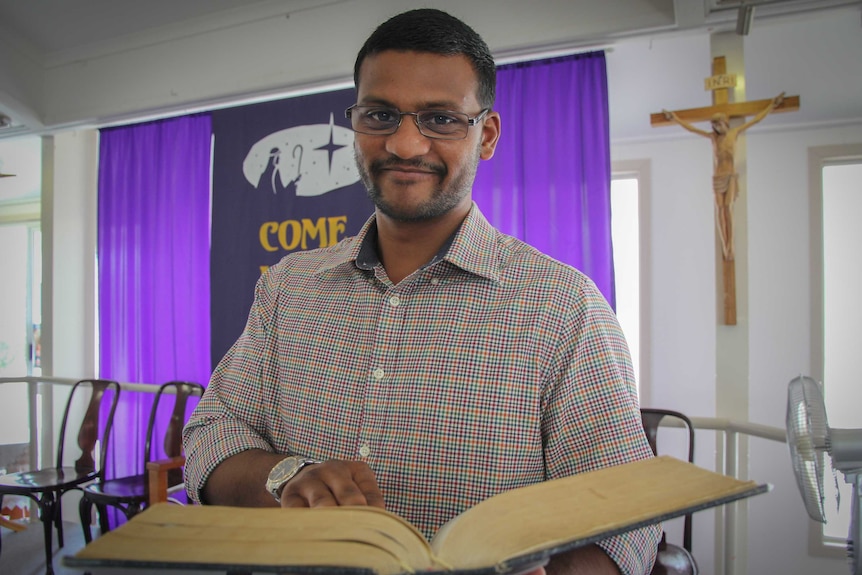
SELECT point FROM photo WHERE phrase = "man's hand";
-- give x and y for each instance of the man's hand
(333, 483)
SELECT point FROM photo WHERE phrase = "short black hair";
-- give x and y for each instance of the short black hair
(434, 31)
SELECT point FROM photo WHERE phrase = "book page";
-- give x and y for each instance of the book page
(360, 537)
(557, 512)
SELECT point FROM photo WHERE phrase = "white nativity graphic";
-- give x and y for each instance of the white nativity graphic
(312, 160)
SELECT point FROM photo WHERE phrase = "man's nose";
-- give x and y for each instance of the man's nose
(407, 141)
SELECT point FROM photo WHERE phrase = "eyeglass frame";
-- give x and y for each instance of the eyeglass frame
(434, 135)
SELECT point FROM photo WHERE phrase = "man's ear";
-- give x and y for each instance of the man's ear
(490, 135)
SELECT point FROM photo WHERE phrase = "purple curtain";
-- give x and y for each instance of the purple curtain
(153, 267)
(549, 181)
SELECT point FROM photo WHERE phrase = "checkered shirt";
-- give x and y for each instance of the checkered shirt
(491, 368)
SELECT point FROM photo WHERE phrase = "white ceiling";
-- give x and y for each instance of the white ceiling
(51, 50)
(55, 26)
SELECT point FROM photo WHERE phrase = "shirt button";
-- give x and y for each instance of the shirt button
(435, 281)
(365, 450)
(395, 301)
(378, 373)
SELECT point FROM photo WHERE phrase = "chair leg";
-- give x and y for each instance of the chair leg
(132, 510)
(85, 511)
(58, 518)
(104, 525)
(47, 510)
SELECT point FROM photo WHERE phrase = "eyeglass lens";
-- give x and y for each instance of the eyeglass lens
(432, 123)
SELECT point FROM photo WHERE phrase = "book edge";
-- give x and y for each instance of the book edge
(512, 565)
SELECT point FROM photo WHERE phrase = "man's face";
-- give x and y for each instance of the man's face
(409, 176)
(719, 124)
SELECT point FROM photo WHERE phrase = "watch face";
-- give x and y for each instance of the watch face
(285, 469)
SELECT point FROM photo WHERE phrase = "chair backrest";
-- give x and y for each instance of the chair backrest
(88, 432)
(172, 444)
(651, 418)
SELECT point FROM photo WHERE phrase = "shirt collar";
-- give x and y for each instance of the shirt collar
(473, 247)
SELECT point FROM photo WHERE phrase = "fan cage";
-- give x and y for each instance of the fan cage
(807, 437)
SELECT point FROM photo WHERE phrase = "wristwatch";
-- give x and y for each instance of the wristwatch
(284, 471)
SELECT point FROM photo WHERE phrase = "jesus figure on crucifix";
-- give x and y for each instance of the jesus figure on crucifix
(724, 179)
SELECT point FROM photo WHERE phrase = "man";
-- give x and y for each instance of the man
(429, 362)
(725, 179)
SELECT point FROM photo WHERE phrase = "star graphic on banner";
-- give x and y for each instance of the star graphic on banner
(331, 146)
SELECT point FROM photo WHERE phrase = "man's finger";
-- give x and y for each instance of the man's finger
(293, 500)
(348, 493)
(307, 492)
(367, 483)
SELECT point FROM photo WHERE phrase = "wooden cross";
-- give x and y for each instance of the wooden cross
(723, 137)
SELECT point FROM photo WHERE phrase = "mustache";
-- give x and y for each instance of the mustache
(415, 163)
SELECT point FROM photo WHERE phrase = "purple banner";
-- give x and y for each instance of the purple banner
(549, 180)
(284, 179)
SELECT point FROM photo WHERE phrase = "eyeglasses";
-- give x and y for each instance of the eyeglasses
(383, 121)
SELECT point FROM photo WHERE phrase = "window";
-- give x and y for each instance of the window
(629, 184)
(842, 316)
(624, 231)
(20, 307)
(836, 313)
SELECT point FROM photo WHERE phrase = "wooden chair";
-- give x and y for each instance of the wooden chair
(131, 494)
(672, 559)
(47, 486)
(158, 473)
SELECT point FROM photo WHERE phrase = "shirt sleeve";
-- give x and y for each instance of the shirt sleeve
(233, 414)
(591, 415)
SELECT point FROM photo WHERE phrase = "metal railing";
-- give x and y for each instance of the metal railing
(43, 436)
(732, 429)
(44, 439)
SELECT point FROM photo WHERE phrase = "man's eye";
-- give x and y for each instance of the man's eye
(384, 116)
(438, 119)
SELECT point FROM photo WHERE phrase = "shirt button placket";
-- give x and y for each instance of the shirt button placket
(390, 326)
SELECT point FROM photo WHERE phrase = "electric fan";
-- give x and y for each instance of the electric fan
(813, 446)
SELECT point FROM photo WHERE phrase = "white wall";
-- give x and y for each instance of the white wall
(784, 54)
(781, 319)
(69, 254)
(683, 315)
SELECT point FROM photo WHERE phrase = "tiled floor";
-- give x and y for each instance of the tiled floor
(23, 553)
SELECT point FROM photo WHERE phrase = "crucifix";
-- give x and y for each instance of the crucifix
(723, 137)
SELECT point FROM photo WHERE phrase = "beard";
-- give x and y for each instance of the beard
(440, 201)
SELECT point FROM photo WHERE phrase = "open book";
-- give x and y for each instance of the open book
(505, 533)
